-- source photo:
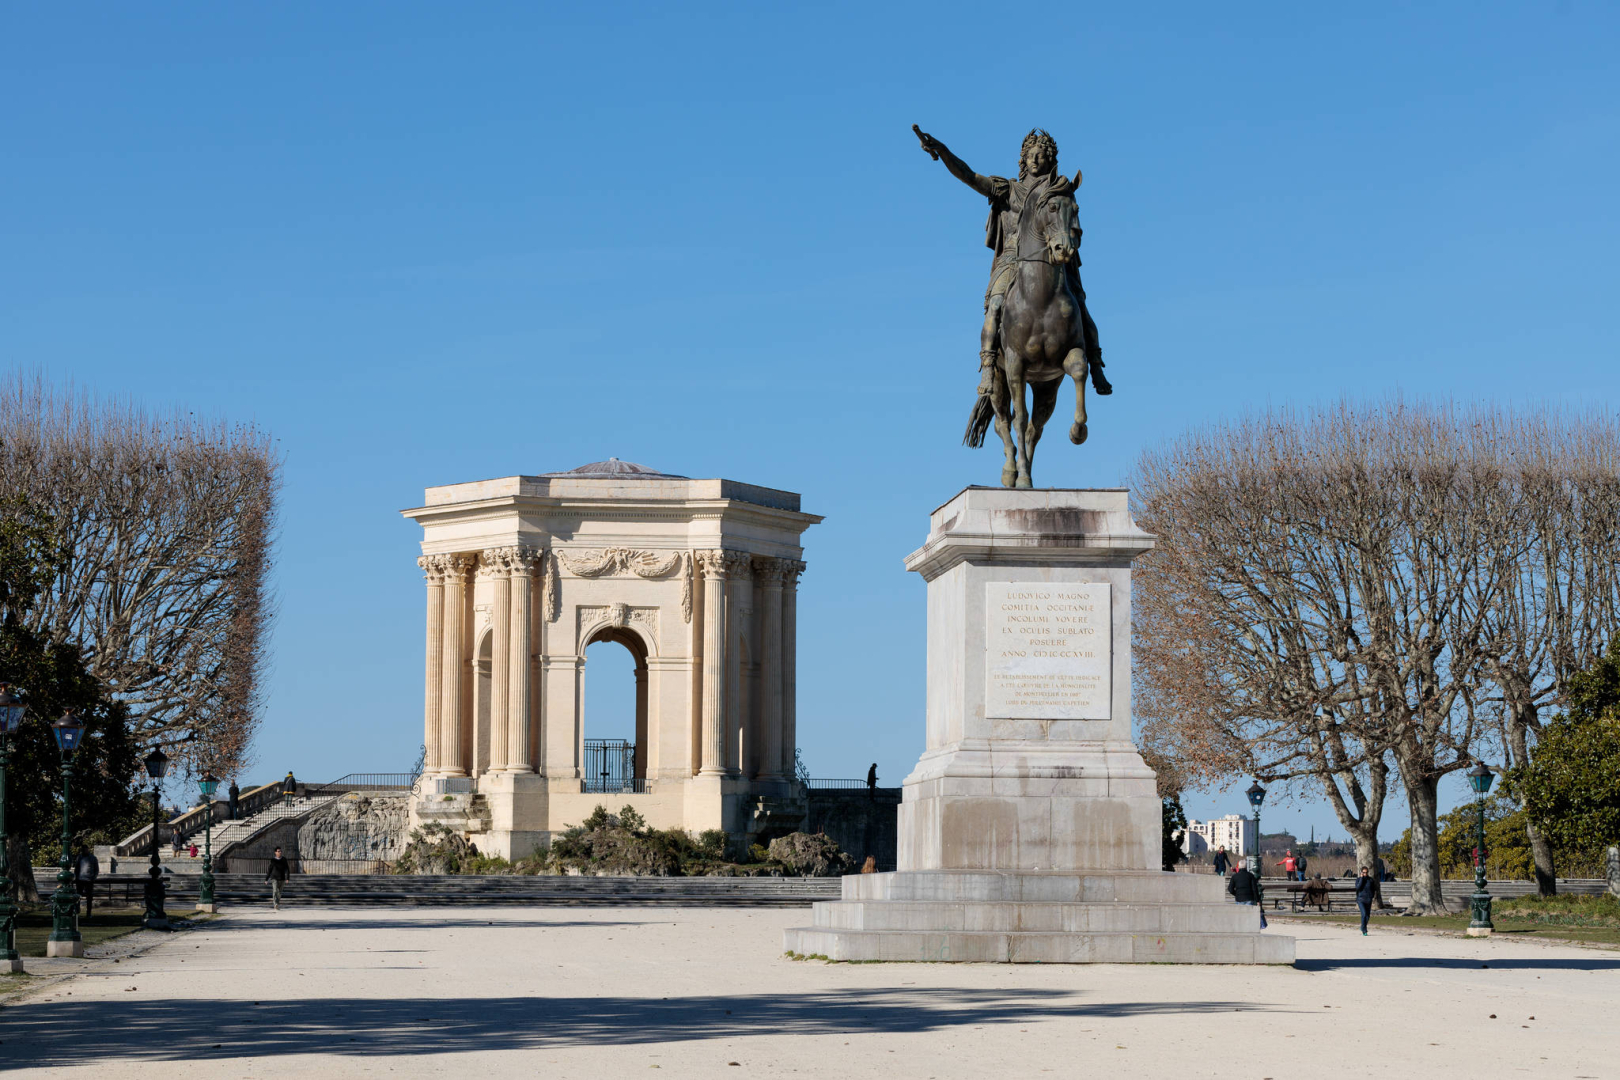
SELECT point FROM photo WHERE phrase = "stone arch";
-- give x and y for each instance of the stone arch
(636, 644)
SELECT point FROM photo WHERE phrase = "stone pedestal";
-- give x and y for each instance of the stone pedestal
(64, 948)
(1030, 829)
(11, 967)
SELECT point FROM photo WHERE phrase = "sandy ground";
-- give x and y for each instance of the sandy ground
(606, 993)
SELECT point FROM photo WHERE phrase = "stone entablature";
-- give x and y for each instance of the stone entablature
(697, 578)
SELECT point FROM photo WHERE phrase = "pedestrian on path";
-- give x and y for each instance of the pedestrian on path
(1244, 887)
(1290, 865)
(277, 875)
(1366, 896)
(1221, 862)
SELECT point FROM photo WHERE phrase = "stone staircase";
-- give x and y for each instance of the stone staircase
(1055, 917)
(469, 891)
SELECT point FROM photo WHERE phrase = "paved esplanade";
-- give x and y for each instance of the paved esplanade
(612, 992)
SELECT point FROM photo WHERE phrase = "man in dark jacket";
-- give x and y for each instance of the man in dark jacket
(1221, 862)
(1244, 887)
(1366, 896)
(277, 874)
(85, 871)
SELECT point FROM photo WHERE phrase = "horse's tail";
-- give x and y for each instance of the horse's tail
(979, 421)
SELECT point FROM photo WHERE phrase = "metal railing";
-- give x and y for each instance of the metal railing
(836, 785)
(391, 783)
(610, 768)
(453, 785)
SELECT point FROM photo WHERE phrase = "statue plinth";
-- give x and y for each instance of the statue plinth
(1030, 828)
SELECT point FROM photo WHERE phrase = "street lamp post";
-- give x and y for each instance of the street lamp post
(157, 765)
(1257, 795)
(64, 939)
(11, 714)
(1479, 923)
(205, 893)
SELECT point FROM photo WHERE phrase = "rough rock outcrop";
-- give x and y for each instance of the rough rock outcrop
(355, 827)
(809, 855)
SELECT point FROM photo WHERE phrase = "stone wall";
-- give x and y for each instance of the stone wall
(355, 828)
(862, 823)
(355, 834)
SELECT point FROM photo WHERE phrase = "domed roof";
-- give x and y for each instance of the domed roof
(614, 469)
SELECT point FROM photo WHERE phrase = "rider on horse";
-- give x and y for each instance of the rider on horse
(1037, 169)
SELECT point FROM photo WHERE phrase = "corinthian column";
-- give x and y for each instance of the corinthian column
(456, 681)
(713, 564)
(524, 564)
(496, 570)
(790, 663)
(739, 589)
(769, 572)
(433, 693)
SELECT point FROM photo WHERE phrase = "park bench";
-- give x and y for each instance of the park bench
(1339, 892)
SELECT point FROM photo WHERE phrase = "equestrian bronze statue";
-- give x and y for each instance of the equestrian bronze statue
(1036, 326)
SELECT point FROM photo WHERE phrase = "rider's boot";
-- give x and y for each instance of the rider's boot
(1099, 381)
(987, 371)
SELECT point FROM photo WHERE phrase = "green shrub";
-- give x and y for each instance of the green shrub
(1562, 910)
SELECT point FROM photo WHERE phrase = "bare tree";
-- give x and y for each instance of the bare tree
(1318, 604)
(1563, 603)
(165, 527)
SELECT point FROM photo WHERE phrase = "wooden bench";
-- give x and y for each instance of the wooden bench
(1340, 891)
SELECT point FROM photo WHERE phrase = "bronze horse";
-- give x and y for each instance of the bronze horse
(1042, 336)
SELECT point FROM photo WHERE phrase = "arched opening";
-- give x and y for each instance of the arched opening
(615, 712)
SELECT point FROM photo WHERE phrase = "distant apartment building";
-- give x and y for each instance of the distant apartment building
(1234, 832)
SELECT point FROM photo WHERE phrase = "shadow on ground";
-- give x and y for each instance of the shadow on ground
(1457, 963)
(166, 1029)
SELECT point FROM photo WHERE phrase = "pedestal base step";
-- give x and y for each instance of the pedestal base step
(1033, 917)
(963, 946)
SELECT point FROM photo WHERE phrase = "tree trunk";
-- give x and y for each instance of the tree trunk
(1422, 797)
(21, 861)
(1541, 853)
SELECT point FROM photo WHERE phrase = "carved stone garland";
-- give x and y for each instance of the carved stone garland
(649, 565)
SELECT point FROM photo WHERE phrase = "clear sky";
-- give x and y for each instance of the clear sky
(428, 244)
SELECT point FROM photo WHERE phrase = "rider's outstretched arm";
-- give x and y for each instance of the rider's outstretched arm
(982, 184)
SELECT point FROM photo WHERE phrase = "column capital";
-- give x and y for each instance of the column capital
(518, 559)
(770, 571)
(718, 563)
(454, 567)
(739, 564)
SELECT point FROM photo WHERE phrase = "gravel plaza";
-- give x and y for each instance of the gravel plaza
(612, 992)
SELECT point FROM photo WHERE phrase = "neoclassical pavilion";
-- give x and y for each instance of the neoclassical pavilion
(696, 578)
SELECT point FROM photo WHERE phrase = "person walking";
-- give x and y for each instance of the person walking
(277, 874)
(1222, 863)
(871, 778)
(1366, 896)
(85, 871)
(1244, 887)
(236, 799)
(1300, 862)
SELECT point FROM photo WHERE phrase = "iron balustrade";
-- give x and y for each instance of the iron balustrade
(610, 768)
(836, 785)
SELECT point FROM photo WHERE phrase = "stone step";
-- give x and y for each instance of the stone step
(1040, 948)
(1036, 917)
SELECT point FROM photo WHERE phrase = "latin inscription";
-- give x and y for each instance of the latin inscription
(1048, 651)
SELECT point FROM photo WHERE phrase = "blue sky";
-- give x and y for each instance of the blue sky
(423, 245)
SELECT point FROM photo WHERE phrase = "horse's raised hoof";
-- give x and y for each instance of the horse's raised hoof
(1009, 476)
(1077, 434)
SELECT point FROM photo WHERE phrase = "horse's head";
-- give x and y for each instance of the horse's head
(1048, 228)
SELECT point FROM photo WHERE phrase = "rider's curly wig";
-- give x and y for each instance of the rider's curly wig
(1036, 137)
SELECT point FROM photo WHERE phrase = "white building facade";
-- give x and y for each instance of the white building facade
(1234, 832)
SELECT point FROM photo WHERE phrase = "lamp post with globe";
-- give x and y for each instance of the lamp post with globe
(205, 894)
(157, 765)
(1257, 795)
(1479, 923)
(65, 939)
(11, 714)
